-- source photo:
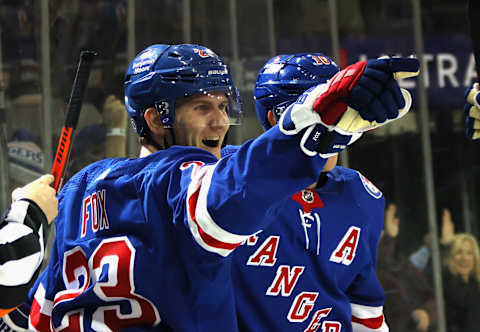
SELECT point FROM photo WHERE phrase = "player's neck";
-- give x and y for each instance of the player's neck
(144, 151)
(322, 180)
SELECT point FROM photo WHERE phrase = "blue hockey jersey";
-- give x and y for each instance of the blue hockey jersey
(314, 267)
(146, 242)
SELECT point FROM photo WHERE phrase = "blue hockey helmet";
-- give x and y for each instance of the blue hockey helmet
(162, 74)
(285, 77)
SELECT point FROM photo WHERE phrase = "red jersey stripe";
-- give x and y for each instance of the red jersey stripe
(372, 323)
(208, 239)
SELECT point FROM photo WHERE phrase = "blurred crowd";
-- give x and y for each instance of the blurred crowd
(408, 280)
(74, 26)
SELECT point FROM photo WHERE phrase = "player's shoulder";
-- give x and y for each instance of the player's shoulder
(356, 182)
(158, 162)
(128, 170)
(173, 159)
(230, 149)
(89, 174)
(366, 197)
(180, 154)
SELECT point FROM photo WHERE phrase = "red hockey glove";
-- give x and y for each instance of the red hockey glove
(369, 88)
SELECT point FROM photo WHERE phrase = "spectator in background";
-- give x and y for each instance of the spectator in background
(25, 158)
(24, 110)
(24, 146)
(461, 275)
(101, 140)
(461, 284)
(113, 27)
(88, 147)
(24, 151)
(409, 302)
(111, 42)
(420, 259)
(115, 121)
(18, 30)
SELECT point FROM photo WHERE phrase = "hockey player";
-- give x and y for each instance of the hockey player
(23, 232)
(145, 242)
(314, 267)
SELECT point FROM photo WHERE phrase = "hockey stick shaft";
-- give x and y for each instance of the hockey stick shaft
(73, 113)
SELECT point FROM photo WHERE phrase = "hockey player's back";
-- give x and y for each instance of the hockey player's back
(316, 262)
(119, 246)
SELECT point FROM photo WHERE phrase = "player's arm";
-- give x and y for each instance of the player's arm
(22, 240)
(227, 201)
(366, 293)
(36, 310)
(283, 160)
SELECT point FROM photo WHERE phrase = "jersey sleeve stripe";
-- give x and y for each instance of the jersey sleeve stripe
(364, 311)
(204, 219)
(19, 272)
(371, 323)
(39, 319)
(19, 248)
(18, 211)
(369, 318)
(21, 244)
(21, 257)
(207, 239)
(13, 231)
(202, 226)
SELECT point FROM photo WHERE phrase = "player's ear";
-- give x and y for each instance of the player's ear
(271, 118)
(159, 137)
(153, 120)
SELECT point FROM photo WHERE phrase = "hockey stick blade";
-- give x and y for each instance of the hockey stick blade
(73, 113)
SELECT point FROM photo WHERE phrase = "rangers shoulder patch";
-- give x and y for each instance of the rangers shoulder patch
(370, 187)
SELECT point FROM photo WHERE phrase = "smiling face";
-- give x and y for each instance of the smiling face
(201, 120)
(464, 259)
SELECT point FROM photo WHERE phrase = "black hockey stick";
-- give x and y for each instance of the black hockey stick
(73, 113)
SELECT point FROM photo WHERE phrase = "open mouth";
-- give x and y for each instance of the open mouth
(211, 142)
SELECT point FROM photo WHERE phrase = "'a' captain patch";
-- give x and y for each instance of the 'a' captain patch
(370, 187)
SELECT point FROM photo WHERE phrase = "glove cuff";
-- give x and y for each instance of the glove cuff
(300, 115)
(473, 95)
(318, 139)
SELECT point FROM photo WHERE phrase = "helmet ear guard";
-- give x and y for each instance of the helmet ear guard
(163, 109)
